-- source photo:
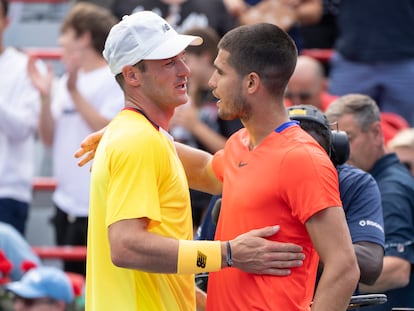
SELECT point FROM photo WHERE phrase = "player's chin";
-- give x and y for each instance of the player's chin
(226, 115)
(180, 99)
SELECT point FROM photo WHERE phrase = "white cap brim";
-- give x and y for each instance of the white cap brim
(173, 46)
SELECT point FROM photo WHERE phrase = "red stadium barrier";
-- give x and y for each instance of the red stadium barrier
(44, 184)
(323, 55)
(72, 253)
(45, 53)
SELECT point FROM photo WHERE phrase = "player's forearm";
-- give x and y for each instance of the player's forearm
(46, 122)
(370, 258)
(395, 274)
(134, 247)
(197, 166)
(309, 12)
(336, 286)
(91, 116)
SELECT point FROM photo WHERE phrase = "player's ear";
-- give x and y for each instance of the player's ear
(252, 82)
(132, 75)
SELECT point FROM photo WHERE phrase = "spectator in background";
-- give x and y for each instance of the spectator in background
(16, 249)
(308, 85)
(289, 15)
(374, 54)
(199, 118)
(359, 116)
(85, 99)
(182, 14)
(42, 288)
(403, 145)
(19, 114)
(359, 193)
(323, 34)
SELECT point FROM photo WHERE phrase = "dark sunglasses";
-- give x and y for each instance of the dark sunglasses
(300, 95)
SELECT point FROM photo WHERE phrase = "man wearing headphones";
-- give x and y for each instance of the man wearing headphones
(359, 192)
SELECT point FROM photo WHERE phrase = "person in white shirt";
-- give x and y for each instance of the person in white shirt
(19, 113)
(83, 100)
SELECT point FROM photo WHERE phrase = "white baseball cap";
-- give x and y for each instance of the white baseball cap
(143, 35)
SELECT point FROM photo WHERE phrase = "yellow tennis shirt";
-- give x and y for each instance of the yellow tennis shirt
(136, 173)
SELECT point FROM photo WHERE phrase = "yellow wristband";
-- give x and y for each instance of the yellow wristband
(198, 256)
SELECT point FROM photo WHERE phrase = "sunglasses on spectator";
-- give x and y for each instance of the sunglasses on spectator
(32, 302)
(300, 95)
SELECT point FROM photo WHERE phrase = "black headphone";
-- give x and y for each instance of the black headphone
(338, 145)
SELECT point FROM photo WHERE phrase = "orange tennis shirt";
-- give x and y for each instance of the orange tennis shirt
(283, 181)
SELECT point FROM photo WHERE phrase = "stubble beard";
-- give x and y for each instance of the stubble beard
(236, 109)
